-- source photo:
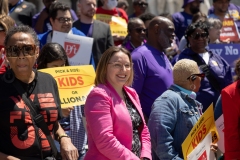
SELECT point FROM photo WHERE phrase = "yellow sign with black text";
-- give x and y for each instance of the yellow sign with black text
(205, 125)
(74, 83)
(118, 25)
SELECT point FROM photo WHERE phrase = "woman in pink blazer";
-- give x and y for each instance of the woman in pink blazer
(115, 124)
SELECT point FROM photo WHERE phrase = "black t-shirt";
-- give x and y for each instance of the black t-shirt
(17, 133)
(22, 13)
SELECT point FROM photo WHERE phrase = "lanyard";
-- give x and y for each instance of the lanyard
(19, 2)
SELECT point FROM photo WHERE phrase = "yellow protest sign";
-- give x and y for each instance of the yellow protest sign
(74, 83)
(204, 125)
(118, 25)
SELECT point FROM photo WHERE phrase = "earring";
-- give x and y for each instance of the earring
(192, 87)
(35, 65)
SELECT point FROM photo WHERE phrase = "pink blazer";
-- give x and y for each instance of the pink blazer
(109, 126)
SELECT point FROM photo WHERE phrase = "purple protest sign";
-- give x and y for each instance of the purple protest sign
(230, 52)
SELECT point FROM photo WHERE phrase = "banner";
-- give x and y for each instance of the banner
(78, 48)
(118, 25)
(74, 83)
(203, 151)
(229, 30)
(204, 126)
(229, 52)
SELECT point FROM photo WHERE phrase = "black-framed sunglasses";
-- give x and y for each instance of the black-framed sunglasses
(198, 35)
(64, 19)
(142, 4)
(193, 76)
(26, 49)
(140, 30)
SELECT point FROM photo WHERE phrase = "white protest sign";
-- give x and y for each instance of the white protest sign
(78, 48)
(220, 127)
(202, 151)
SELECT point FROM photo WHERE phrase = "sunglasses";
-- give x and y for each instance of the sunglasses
(140, 30)
(27, 50)
(193, 76)
(198, 35)
(63, 19)
(142, 4)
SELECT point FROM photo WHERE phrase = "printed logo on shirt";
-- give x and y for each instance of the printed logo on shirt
(18, 9)
(21, 116)
(214, 63)
(24, 6)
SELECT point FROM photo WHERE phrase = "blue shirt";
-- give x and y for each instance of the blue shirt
(85, 28)
(181, 21)
(153, 75)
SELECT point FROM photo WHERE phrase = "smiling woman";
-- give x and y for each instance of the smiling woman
(111, 108)
(20, 137)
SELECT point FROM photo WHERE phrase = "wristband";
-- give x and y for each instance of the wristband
(61, 136)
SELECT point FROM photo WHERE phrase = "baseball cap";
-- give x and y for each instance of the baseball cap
(189, 1)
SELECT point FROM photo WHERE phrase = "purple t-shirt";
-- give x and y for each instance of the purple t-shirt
(152, 75)
(181, 21)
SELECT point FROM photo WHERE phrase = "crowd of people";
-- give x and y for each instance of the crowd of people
(151, 86)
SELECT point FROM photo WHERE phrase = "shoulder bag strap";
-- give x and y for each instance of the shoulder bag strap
(38, 118)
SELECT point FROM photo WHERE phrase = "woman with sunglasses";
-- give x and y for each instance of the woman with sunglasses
(176, 111)
(217, 70)
(136, 34)
(115, 124)
(21, 137)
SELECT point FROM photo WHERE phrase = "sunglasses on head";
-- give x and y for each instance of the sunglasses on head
(140, 30)
(142, 4)
(198, 35)
(194, 76)
(27, 50)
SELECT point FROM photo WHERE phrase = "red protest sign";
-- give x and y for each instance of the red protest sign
(229, 30)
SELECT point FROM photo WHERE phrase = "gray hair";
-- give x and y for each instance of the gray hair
(183, 69)
(214, 22)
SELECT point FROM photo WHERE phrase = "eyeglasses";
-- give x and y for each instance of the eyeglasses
(119, 65)
(142, 4)
(64, 19)
(140, 30)
(27, 50)
(193, 76)
(198, 35)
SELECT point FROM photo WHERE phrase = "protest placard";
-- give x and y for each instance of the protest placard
(202, 151)
(74, 83)
(229, 30)
(204, 126)
(78, 48)
(118, 25)
(229, 52)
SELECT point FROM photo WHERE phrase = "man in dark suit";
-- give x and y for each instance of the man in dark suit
(93, 28)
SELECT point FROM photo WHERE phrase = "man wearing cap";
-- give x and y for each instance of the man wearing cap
(183, 19)
(224, 9)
